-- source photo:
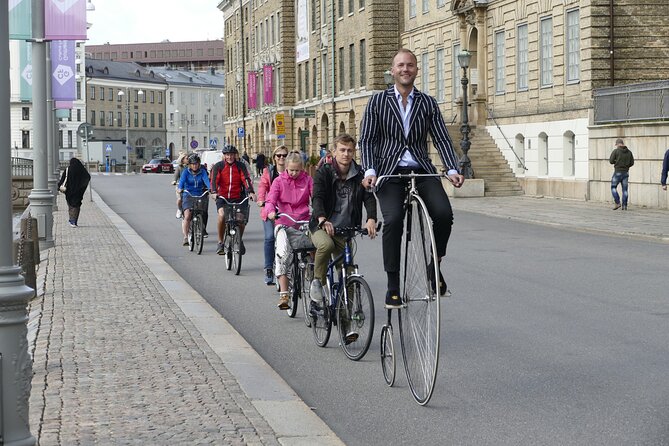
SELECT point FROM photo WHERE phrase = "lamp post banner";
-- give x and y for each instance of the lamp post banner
(26, 67)
(268, 84)
(64, 105)
(20, 19)
(251, 90)
(65, 19)
(63, 87)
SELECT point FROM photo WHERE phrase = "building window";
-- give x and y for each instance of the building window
(324, 71)
(361, 4)
(144, 97)
(425, 70)
(102, 118)
(499, 62)
(573, 46)
(299, 82)
(69, 139)
(143, 119)
(341, 68)
(440, 75)
(340, 9)
(426, 6)
(111, 94)
(160, 120)
(93, 117)
(160, 97)
(351, 6)
(441, 3)
(110, 119)
(546, 56)
(363, 63)
(102, 93)
(152, 96)
(25, 113)
(171, 98)
(313, 17)
(92, 90)
(25, 139)
(351, 66)
(135, 119)
(78, 90)
(152, 118)
(136, 95)
(457, 87)
(78, 115)
(522, 54)
(306, 80)
(412, 8)
(119, 119)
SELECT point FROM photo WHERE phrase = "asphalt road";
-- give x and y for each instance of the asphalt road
(552, 336)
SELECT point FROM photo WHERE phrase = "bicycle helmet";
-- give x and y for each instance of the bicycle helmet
(193, 158)
(229, 149)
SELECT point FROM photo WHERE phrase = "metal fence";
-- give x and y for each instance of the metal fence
(648, 101)
(22, 167)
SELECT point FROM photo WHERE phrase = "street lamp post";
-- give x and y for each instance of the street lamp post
(223, 115)
(126, 93)
(465, 163)
(187, 120)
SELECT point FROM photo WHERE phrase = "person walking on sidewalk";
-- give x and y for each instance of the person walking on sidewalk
(271, 172)
(182, 165)
(393, 140)
(622, 159)
(73, 183)
(665, 170)
(260, 163)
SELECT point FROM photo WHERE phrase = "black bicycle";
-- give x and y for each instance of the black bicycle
(302, 267)
(232, 239)
(347, 302)
(196, 229)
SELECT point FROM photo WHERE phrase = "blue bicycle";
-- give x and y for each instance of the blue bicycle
(347, 302)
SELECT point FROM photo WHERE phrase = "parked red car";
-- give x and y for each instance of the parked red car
(158, 165)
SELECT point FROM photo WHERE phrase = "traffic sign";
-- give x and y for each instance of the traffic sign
(240, 132)
(213, 142)
(108, 148)
(280, 125)
(304, 113)
(193, 144)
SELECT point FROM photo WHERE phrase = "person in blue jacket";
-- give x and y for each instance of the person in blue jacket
(193, 182)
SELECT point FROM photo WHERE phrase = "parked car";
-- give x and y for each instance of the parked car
(158, 165)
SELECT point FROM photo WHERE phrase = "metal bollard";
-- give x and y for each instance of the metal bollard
(26, 251)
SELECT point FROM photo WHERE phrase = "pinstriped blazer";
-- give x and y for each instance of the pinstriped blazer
(382, 141)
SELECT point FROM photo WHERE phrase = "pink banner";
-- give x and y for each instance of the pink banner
(65, 19)
(62, 105)
(252, 97)
(268, 84)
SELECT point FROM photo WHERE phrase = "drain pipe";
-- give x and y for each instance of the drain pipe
(332, 54)
(611, 54)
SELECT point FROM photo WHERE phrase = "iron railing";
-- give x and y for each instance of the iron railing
(648, 101)
(521, 163)
(22, 167)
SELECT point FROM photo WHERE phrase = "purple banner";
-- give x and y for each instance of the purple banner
(268, 84)
(63, 85)
(65, 19)
(251, 90)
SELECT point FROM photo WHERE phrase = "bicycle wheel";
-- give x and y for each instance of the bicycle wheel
(307, 276)
(198, 233)
(294, 283)
(191, 236)
(355, 317)
(321, 322)
(227, 245)
(236, 252)
(419, 317)
(388, 354)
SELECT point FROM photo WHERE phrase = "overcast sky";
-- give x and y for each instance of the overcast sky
(141, 21)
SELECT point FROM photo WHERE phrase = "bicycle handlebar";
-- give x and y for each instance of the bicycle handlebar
(352, 231)
(443, 174)
(299, 222)
(195, 196)
(232, 204)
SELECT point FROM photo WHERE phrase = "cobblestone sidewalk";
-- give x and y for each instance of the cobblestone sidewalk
(116, 361)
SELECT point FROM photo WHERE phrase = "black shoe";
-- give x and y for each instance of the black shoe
(393, 299)
(205, 234)
(443, 288)
(242, 248)
(624, 207)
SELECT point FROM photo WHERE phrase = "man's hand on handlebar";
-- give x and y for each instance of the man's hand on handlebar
(371, 228)
(369, 181)
(456, 179)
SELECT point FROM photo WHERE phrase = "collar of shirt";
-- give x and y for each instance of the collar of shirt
(406, 159)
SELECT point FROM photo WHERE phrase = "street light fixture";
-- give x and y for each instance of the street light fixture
(388, 78)
(464, 58)
(126, 93)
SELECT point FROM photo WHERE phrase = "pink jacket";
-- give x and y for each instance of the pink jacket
(290, 196)
(263, 190)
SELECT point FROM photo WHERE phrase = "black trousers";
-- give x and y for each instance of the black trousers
(391, 197)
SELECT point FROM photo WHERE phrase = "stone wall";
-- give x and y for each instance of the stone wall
(21, 187)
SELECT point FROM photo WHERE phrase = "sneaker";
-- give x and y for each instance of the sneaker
(350, 337)
(624, 207)
(185, 242)
(316, 291)
(179, 213)
(393, 299)
(616, 206)
(242, 248)
(205, 234)
(73, 224)
(314, 308)
(269, 277)
(220, 249)
(284, 298)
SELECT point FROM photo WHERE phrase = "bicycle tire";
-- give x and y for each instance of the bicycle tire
(321, 324)
(227, 246)
(191, 236)
(307, 277)
(198, 234)
(419, 318)
(388, 363)
(294, 282)
(355, 313)
(236, 252)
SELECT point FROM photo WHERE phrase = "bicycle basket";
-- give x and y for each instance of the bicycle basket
(199, 204)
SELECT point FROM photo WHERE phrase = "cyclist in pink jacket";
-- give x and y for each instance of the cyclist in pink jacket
(290, 194)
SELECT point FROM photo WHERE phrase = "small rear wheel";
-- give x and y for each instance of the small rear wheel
(388, 355)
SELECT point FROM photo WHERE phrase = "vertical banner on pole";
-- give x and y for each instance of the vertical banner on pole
(251, 90)
(26, 66)
(20, 19)
(65, 19)
(268, 84)
(63, 87)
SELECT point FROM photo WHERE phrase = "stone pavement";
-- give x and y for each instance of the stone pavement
(133, 355)
(594, 217)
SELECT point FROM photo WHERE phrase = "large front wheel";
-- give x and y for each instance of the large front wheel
(419, 316)
(355, 318)
(294, 284)
(191, 235)
(307, 268)
(388, 354)
(198, 233)
(321, 322)
(236, 252)
(227, 246)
